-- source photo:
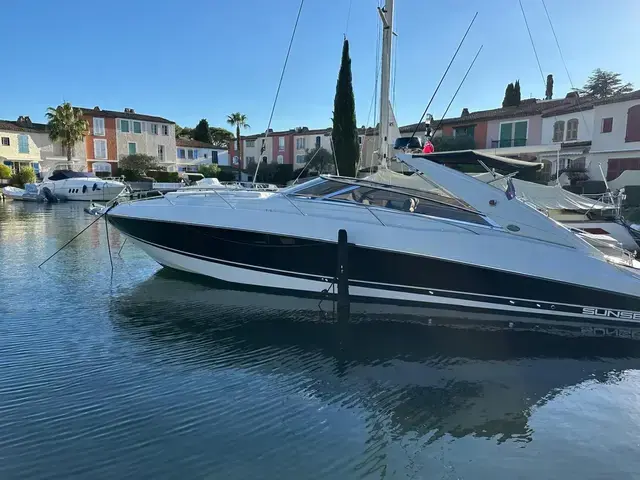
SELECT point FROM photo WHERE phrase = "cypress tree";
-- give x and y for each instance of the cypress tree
(345, 130)
(201, 132)
(548, 94)
(516, 93)
(508, 96)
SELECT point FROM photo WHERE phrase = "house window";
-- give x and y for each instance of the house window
(23, 144)
(281, 143)
(154, 128)
(190, 154)
(161, 153)
(467, 131)
(250, 143)
(124, 126)
(250, 159)
(318, 141)
(299, 143)
(300, 159)
(214, 157)
(137, 127)
(5, 141)
(181, 153)
(607, 125)
(572, 129)
(280, 159)
(513, 134)
(558, 131)
(165, 129)
(132, 148)
(633, 124)
(98, 126)
(195, 154)
(264, 159)
(99, 149)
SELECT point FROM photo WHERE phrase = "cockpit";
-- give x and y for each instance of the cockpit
(430, 200)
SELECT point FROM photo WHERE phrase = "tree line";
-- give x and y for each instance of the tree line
(600, 84)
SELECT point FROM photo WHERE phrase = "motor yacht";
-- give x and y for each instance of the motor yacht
(457, 244)
(86, 186)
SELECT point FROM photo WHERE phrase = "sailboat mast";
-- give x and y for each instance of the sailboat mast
(386, 15)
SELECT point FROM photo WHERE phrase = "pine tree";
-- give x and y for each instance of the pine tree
(202, 132)
(345, 130)
(603, 84)
(548, 94)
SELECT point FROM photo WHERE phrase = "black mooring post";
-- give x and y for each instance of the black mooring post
(342, 275)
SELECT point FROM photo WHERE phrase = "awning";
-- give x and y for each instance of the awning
(471, 157)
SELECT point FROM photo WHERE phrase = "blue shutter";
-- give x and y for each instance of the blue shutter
(23, 144)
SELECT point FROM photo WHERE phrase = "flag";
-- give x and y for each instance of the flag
(511, 190)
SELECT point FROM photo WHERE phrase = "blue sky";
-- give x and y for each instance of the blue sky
(207, 58)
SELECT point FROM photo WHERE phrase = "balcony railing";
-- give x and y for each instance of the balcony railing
(509, 142)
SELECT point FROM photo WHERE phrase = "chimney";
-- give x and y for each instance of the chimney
(96, 108)
(129, 110)
(20, 119)
(27, 120)
(465, 112)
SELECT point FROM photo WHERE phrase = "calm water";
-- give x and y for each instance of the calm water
(148, 374)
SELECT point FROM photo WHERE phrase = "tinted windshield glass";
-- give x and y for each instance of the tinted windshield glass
(320, 189)
(64, 174)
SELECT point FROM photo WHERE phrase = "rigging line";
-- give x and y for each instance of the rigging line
(457, 90)
(306, 165)
(275, 100)
(566, 69)
(346, 28)
(532, 44)
(442, 78)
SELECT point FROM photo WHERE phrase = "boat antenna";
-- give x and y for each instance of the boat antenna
(415, 130)
(456, 92)
(275, 100)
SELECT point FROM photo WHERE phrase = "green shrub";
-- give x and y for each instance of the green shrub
(227, 175)
(209, 171)
(25, 175)
(5, 171)
(164, 177)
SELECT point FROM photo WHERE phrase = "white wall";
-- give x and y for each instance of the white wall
(615, 140)
(255, 150)
(585, 126)
(146, 142)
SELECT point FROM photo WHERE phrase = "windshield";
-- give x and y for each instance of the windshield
(64, 174)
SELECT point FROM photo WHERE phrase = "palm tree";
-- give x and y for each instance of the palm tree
(238, 120)
(67, 126)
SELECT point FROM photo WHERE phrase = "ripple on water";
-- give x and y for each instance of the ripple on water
(148, 374)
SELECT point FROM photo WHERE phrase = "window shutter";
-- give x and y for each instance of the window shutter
(633, 124)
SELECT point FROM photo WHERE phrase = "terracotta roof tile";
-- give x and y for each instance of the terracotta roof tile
(188, 142)
(132, 116)
(14, 126)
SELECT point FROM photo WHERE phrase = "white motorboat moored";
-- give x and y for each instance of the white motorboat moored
(70, 185)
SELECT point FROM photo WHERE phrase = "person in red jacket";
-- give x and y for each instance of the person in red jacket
(428, 146)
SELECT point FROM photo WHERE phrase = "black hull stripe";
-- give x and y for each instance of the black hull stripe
(315, 260)
(545, 310)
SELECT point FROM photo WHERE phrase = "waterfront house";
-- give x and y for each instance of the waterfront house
(24, 143)
(191, 154)
(114, 135)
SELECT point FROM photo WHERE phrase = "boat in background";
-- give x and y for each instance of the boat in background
(29, 194)
(81, 186)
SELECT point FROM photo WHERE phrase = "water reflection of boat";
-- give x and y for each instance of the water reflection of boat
(431, 381)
